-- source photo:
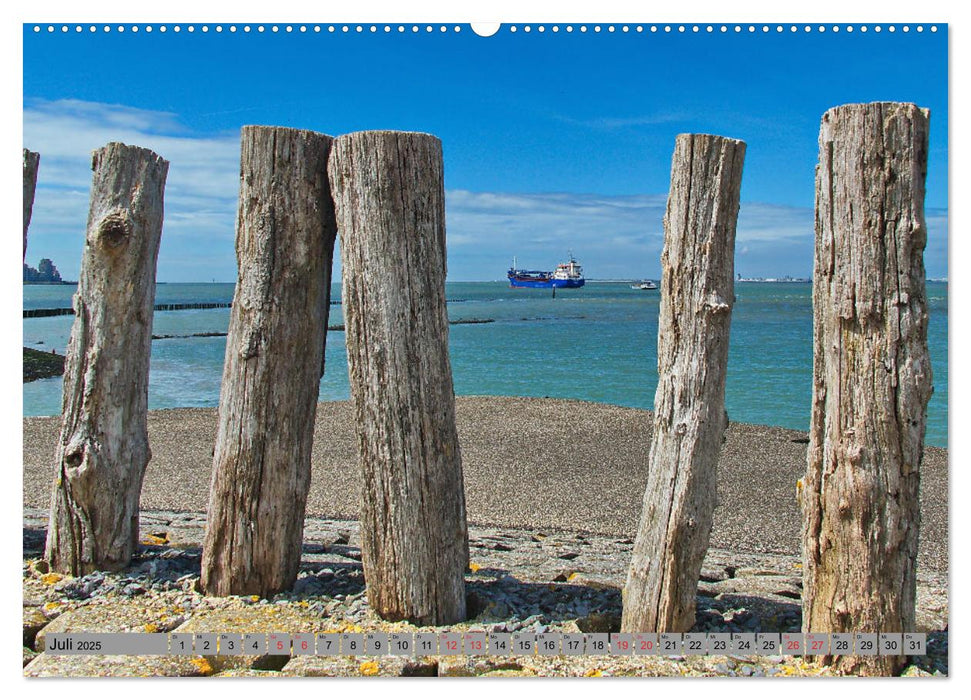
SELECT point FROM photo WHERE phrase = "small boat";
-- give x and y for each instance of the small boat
(568, 274)
(646, 284)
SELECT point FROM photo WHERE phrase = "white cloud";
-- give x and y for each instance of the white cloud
(200, 193)
(612, 236)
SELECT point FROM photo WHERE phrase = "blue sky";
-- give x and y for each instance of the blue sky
(552, 142)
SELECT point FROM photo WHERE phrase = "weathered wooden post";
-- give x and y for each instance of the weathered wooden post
(389, 197)
(871, 377)
(31, 163)
(697, 294)
(103, 448)
(285, 232)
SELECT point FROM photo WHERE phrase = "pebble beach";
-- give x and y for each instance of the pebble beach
(553, 490)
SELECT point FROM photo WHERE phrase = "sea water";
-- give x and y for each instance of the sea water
(597, 343)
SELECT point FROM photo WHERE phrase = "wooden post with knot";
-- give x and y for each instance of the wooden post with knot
(103, 448)
(871, 377)
(285, 233)
(389, 197)
(31, 163)
(697, 295)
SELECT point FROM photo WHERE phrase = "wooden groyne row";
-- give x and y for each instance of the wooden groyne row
(383, 193)
(41, 313)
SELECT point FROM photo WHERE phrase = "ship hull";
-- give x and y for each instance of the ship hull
(545, 284)
(530, 284)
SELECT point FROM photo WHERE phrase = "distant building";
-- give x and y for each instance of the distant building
(46, 273)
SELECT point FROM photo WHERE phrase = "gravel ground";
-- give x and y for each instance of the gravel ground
(529, 463)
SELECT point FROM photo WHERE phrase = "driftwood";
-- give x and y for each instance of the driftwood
(697, 294)
(103, 448)
(389, 198)
(31, 163)
(871, 377)
(274, 354)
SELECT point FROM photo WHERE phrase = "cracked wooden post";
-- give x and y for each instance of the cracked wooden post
(871, 377)
(697, 294)
(285, 232)
(31, 163)
(389, 197)
(103, 448)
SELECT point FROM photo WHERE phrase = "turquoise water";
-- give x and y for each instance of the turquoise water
(598, 343)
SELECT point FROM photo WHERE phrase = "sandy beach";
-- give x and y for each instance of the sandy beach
(528, 463)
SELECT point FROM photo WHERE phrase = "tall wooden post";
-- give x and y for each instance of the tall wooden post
(389, 197)
(871, 377)
(697, 294)
(285, 234)
(31, 163)
(103, 448)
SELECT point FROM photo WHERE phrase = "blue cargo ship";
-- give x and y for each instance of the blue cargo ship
(568, 274)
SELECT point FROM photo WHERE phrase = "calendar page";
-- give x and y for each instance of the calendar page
(557, 349)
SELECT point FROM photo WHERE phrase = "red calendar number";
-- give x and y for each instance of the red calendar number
(452, 645)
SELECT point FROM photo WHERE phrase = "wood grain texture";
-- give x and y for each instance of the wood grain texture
(31, 163)
(697, 295)
(103, 448)
(285, 233)
(871, 376)
(389, 196)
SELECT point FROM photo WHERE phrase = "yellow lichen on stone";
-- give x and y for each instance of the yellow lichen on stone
(593, 673)
(205, 668)
(154, 540)
(473, 567)
(369, 668)
(52, 605)
(572, 576)
(51, 578)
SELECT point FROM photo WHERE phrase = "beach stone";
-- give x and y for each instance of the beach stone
(116, 615)
(599, 623)
(74, 666)
(353, 666)
(34, 621)
(29, 655)
(185, 536)
(243, 619)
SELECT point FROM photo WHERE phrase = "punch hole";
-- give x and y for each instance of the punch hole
(485, 28)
